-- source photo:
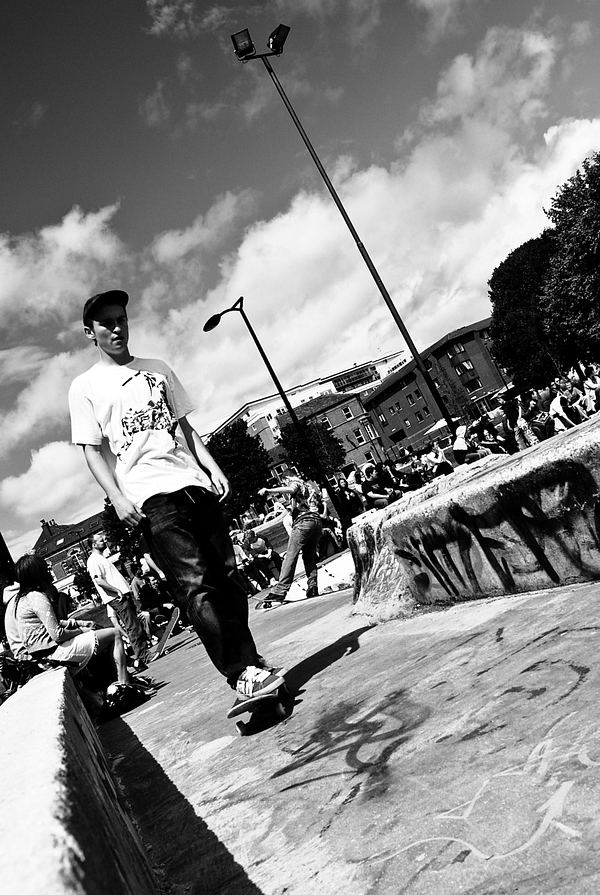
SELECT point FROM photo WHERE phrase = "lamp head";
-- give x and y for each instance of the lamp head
(242, 44)
(212, 322)
(277, 39)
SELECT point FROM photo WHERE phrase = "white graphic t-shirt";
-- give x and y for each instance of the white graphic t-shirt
(131, 411)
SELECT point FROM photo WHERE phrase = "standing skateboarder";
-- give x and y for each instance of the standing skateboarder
(130, 416)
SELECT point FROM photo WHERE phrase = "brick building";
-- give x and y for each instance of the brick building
(345, 417)
(460, 363)
(65, 546)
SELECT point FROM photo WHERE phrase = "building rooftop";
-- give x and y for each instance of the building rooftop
(398, 375)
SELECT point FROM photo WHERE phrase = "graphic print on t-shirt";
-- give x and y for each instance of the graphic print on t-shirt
(146, 414)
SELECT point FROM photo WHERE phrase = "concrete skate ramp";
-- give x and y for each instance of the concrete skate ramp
(504, 525)
(64, 826)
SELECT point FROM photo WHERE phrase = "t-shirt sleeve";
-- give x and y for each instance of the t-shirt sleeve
(85, 428)
(182, 403)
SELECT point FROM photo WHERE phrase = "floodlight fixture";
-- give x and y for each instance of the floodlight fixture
(277, 39)
(242, 44)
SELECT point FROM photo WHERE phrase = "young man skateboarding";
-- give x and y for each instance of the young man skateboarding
(130, 416)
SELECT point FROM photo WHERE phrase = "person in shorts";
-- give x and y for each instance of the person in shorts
(44, 636)
(130, 415)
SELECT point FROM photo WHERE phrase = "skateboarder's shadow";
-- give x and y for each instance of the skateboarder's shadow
(300, 674)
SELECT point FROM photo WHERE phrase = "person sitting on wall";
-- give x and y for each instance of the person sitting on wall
(44, 636)
(437, 460)
(465, 450)
(374, 494)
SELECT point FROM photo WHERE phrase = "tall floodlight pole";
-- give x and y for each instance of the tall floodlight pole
(245, 51)
(238, 306)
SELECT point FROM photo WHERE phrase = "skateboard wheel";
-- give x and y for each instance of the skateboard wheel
(241, 726)
(280, 711)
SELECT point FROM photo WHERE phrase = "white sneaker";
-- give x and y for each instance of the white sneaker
(255, 681)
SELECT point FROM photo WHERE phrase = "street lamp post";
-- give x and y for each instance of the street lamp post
(238, 306)
(245, 51)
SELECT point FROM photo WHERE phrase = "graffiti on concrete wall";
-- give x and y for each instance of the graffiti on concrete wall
(540, 530)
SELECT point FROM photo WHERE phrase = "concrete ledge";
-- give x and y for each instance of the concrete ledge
(504, 525)
(63, 825)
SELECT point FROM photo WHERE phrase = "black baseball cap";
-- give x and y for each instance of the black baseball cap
(112, 297)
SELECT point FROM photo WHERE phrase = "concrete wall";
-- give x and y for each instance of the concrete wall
(63, 825)
(504, 525)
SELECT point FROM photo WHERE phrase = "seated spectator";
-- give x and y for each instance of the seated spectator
(251, 575)
(351, 503)
(575, 399)
(268, 560)
(486, 436)
(373, 493)
(17, 647)
(591, 388)
(436, 460)
(465, 450)
(559, 413)
(44, 636)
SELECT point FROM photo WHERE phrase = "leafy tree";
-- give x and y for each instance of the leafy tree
(570, 293)
(326, 445)
(84, 584)
(520, 342)
(123, 539)
(245, 462)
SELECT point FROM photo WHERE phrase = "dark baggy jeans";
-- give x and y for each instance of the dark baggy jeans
(130, 623)
(304, 539)
(189, 540)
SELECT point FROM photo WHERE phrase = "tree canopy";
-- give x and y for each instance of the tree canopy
(327, 446)
(570, 293)
(544, 295)
(517, 332)
(245, 462)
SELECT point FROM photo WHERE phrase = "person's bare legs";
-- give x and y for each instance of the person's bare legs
(110, 639)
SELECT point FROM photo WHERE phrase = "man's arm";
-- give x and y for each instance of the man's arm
(204, 458)
(125, 509)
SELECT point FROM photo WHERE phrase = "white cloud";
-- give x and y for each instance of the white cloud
(41, 407)
(184, 18)
(19, 363)
(443, 15)
(154, 109)
(507, 79)
(46, 275)
(57, 485)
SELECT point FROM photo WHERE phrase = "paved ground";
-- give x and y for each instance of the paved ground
(455, 752)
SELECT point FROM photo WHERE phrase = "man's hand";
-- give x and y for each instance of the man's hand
(262, 491)
(221, 483)
(128, 512)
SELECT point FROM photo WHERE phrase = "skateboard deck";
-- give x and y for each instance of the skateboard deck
(162, 643)
(265, 705)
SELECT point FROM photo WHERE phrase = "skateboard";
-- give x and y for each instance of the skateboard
(263, 708)
(160, 647)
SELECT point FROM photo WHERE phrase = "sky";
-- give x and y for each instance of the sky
(137, 152)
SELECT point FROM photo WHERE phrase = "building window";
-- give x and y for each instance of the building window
(417, 394)
(467, 364)
(360, 438)
(392, 409)
(458, 347)
(436, 382)
(347, 411)
(382, 419)
(371, 433)
(428, 365)
(419, 416)
(407, 423)
(410, 400)
(369, 456)
(426, 411)
(325, 421)
(473, 384)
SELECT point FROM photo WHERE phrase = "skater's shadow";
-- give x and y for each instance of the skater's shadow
(301, 673)
(186, 855)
